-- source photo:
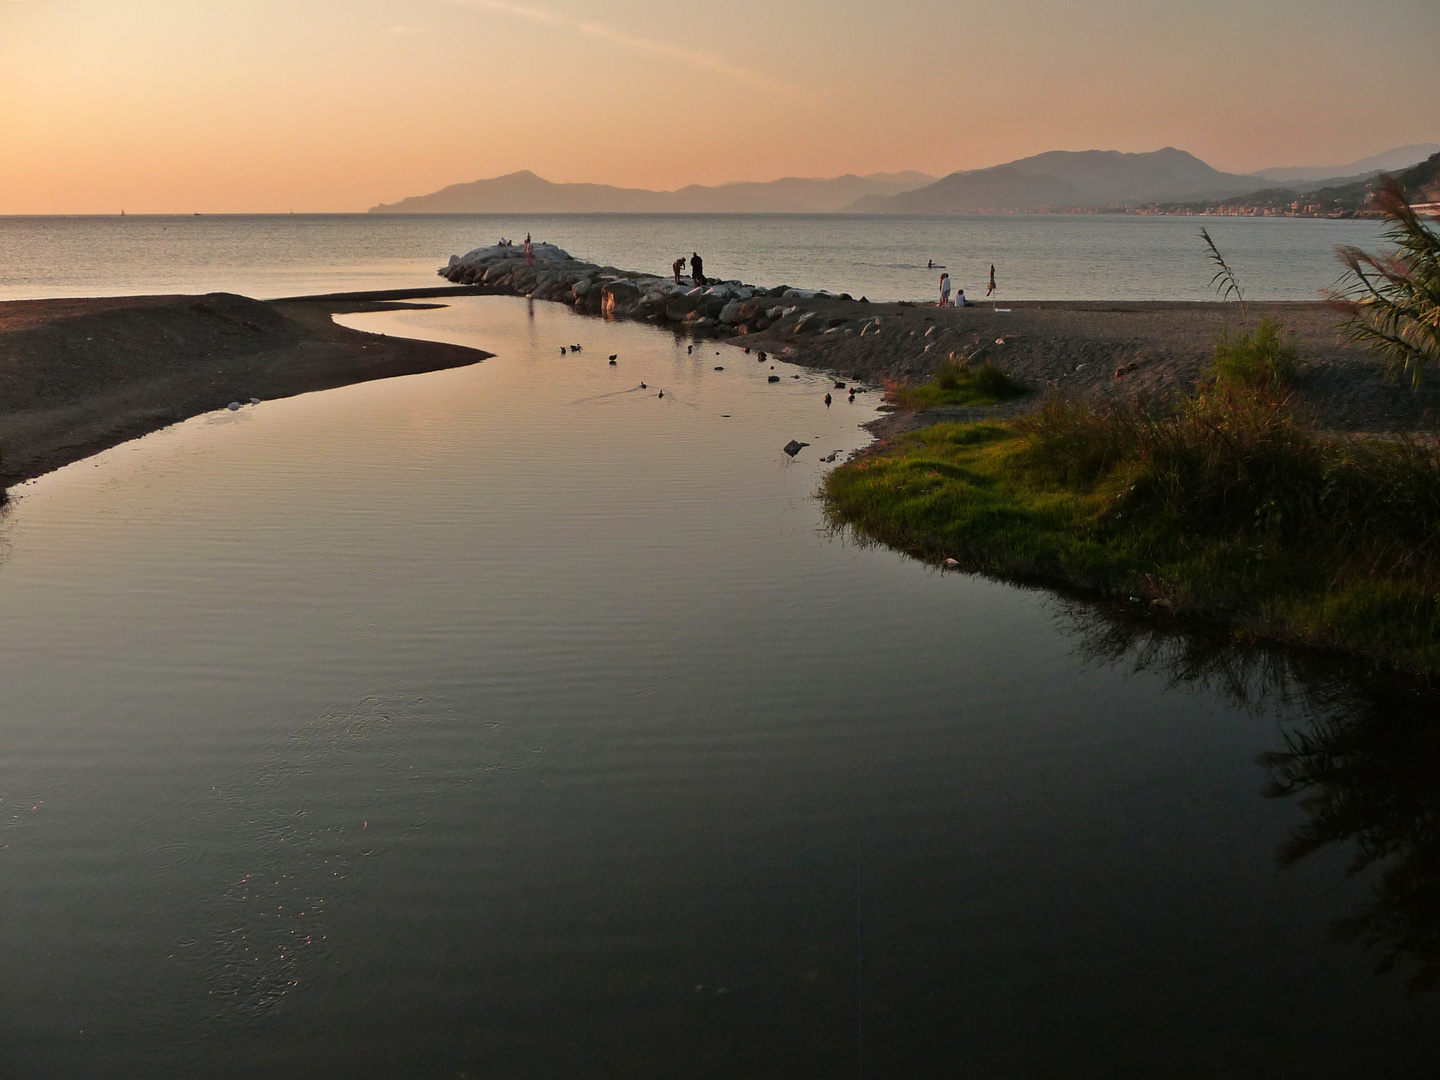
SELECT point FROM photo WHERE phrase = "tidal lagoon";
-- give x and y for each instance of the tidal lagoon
(513, 720)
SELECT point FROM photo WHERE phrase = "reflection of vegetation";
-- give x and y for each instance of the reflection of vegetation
(1374, 777)
(1364, 764)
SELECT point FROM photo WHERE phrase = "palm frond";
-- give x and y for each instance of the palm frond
(1225, 283)
(1391, 301)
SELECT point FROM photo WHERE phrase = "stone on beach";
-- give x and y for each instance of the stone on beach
(793, 447)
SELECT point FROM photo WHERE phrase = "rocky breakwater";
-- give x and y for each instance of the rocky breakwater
(720, 308)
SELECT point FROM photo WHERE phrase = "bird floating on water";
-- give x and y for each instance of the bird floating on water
(614, 355)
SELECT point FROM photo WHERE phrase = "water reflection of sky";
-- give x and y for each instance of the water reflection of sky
(511, 720)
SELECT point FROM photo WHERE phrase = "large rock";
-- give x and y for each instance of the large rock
(739, 312)
(679, 308)
(617, 297)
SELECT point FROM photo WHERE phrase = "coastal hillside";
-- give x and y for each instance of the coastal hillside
(525, 193)
(1065, 180)
(1349, 199)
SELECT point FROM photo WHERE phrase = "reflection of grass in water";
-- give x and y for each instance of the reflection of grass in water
(956, 383)
(1363, 761)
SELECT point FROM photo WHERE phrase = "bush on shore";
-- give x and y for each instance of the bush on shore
(956, 383)
(1222, 503)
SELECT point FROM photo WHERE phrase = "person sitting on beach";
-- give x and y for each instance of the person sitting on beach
(960, 300)
(697, 269)
(677, 266)
(944, 290)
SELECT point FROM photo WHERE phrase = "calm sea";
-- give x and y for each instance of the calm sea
(1048, 257)
(517, 722)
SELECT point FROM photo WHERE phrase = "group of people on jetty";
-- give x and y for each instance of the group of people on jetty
(697, 274)
(529, 248)
(960, 299)
(697, 269)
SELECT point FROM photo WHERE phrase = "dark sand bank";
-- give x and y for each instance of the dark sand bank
(78, 376)
(1100, 350)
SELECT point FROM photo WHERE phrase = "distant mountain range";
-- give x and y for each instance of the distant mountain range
(1057, 181)
(526, 193)
(1066, 180)
(1402, 157)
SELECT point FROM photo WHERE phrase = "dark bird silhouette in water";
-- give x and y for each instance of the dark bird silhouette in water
(614, 355)
(747, 351)
(562, 350)
(574, 348)
(662, 393)
(689, 350)
(852, 397)
(839, 385)
(827, 401)
(644, 387)
(613, 364)
(763, 357)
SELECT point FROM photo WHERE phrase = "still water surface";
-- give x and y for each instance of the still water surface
(1037, 257)
(515, 722)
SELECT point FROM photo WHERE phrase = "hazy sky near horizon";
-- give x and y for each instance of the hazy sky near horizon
(161, 106)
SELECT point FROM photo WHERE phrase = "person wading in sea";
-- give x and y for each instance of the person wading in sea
(677, 266)
(697, 269)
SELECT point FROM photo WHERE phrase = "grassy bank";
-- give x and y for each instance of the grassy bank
(1222, 504)
(956, 383)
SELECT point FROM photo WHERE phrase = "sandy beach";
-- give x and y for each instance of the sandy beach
(78, 376)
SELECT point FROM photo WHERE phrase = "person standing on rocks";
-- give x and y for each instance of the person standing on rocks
(697, 269)
(529, 252)
(677, 266)
(944, 290)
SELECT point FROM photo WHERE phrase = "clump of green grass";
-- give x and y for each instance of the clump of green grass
(956, 383)
(1223, 503)
(1259, 359)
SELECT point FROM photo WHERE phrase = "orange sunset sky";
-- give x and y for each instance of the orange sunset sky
(161, 106)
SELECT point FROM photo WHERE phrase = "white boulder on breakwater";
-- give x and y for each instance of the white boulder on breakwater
(720, 306)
